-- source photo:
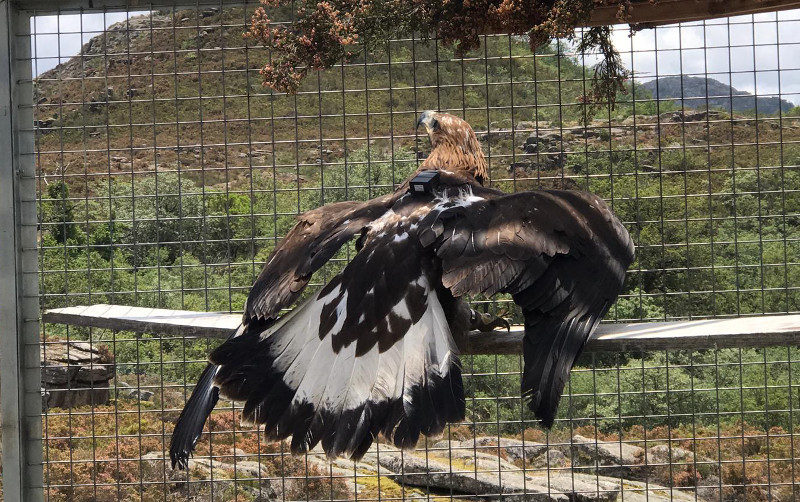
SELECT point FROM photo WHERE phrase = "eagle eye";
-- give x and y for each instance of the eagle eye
(435, 125)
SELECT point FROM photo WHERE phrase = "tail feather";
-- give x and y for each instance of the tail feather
(204, 397)
(298, 379)
(190, 423)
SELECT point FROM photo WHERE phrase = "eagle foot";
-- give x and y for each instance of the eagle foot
(487, 322)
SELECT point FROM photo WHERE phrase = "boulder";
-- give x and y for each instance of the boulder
(665, 461)
(527, 126)
(494, 134)
(708, 487)
(663, 454)
(530, 147)
(610, 458)
(640, 491)
(125, 390)
(348, 471)
(447, 468)
(670, 117)
(75, 374)
(196, 481)
(551, 459)
(513, 449)
(496, 479)
(584, 132)
(428, 473)
(542, 141)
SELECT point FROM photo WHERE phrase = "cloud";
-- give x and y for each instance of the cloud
(759, 54)
(57, 38)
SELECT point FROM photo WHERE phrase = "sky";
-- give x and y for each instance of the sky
(763, 57)
(759, 54)
(58, 38)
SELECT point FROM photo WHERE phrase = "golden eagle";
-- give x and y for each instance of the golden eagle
(375, 350)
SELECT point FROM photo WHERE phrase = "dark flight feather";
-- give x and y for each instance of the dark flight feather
(189, 426)
(564, 265)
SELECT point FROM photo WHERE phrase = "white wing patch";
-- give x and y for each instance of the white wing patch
(334, 383)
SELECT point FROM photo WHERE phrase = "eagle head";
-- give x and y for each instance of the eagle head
(454, 145)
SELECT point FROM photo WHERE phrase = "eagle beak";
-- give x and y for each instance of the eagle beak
(427, 119)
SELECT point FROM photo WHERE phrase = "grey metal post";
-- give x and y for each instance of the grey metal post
(20, 373)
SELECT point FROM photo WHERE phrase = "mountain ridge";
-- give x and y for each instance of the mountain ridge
(699, 92)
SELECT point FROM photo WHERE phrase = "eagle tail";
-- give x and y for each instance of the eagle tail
(189, 426)
(299, 380)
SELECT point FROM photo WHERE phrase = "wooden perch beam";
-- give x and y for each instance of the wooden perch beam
(647, 14)
(704, 334)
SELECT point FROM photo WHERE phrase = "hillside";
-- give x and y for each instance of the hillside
(699, 93)
(179, 70)
(176, 91)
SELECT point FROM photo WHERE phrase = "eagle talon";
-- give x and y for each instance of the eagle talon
(487, 322)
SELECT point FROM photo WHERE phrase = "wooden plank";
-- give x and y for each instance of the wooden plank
(146, 320)
(763, 331)
(646, 14)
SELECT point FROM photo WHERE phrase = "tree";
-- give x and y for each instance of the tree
(58, 212)
(323, 33)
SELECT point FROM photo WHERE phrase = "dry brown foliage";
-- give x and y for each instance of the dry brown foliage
(324, 33)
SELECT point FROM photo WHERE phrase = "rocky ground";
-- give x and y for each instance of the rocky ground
(487, 468)
(572, 466)
(75, 374)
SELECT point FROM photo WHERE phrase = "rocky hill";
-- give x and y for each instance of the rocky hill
(699, 92)
(177, 90)
(183, 89)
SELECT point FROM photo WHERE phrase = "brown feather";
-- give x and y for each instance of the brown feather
(561, 255)
(318, 235)
(455, 147)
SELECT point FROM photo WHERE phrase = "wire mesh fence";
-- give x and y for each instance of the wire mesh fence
(167, 174)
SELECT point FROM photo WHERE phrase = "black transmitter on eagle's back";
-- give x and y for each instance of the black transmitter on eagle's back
(424, 182)
(375, 350)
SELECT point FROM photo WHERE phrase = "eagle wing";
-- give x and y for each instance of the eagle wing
(562, 255)
(371, 352)
(314, 239)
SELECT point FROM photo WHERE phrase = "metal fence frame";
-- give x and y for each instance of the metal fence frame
(19, 295)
